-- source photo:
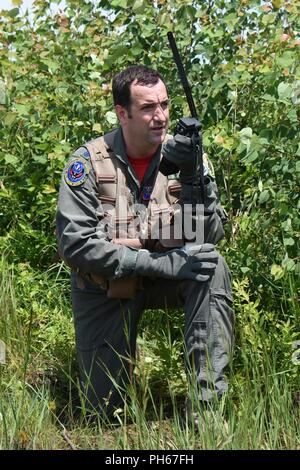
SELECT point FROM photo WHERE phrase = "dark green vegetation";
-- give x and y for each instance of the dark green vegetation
(242, 60)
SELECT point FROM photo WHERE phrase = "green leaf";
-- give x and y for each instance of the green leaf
(40, 159)
(246, 133)
(250, 157)
(277, 3)
(136, 50)
(43, 146)
(268, 97)
(296, 92)
(120, 51)
(241, 67)
(10, 118)
(119, 3)
(51, 65)
(284, 90)
(246, 136)
(13, 12)
(219, 83)
(286, 225)
(264, 196)
(138, 6)
(288, 241)
(277, 271)
(11, 160)
(111, 118)
(23, 109)
(97, 127)
(286, 60)
(95, 75)
(149, 29)
(245, 269)
(288, 264)
(268, 19)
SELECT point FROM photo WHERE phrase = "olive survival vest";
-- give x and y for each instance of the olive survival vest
(124, 224)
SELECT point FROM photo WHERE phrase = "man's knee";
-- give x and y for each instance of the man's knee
(220, 279)
(222, 276)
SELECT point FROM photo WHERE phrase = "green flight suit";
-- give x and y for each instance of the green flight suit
(106, 328)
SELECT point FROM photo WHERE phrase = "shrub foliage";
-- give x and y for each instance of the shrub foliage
(242, 59)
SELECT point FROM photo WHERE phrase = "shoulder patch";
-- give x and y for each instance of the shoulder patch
(76, 172)
(82, 152)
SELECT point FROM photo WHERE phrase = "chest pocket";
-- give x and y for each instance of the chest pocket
(107, 188)
(118, 219)
(165, 213)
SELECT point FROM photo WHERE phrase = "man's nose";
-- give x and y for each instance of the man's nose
(160, 114)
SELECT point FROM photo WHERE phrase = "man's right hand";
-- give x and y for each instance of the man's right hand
(178, 264)
(179, 151)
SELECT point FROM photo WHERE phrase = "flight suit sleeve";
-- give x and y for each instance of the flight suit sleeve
(82, 241)
(214, 215)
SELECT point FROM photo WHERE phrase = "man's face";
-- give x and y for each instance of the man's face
(145, 123)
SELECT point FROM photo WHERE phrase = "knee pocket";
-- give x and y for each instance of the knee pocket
(213, 335)
(222, 324)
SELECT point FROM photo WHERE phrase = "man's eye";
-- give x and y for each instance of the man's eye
(149, 106)
(152, 107)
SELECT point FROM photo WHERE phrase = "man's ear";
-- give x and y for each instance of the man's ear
(122, 113)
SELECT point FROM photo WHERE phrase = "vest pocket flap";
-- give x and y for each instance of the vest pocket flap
(124, 220)
(107, 199)
(107, 187)
(112, 218)
(174, 188)
(161, 209)
(106, 178)
(173, 192)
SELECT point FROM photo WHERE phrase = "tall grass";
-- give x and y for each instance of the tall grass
(41, 406)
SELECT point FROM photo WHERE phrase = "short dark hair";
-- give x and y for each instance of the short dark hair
(122, 81)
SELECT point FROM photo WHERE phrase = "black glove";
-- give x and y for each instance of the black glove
(178, 264)
(180, 152)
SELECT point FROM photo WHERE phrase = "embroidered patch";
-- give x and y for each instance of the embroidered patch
(76, 172)
(146, 193)
(82, 152)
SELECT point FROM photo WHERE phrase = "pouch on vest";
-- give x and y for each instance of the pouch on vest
(124, 288)
(166, 226)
